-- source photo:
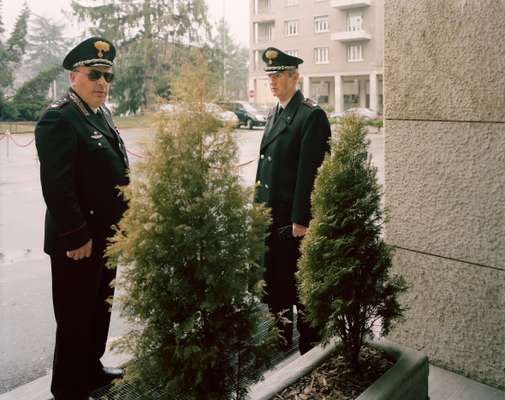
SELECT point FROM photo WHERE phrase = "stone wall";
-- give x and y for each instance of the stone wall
(445, 178)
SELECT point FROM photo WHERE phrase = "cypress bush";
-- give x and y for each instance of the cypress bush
(344, 276)
(190, 244)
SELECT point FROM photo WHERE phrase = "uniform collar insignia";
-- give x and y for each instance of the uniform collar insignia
(78, 102)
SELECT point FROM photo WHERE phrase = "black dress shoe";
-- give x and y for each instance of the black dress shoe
(106, 377)
(113, 373)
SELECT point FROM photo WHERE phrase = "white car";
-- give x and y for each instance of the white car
(360, 111)
(225, 117)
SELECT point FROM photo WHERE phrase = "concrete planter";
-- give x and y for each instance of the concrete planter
(407, 379)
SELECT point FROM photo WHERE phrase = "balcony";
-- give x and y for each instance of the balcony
(351, 36)
(350, 4)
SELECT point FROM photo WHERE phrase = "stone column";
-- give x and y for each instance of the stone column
(362, 92)
(306, 86)
(339, 94)
(445, 178)
(373, 91)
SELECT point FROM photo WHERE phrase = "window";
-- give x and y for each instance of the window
(291, 28)
(354, 21)
(264, 32)
(321, 24)
(321, 55)
(293, 53)
(291, 3)
(263, 6)
(355, 53)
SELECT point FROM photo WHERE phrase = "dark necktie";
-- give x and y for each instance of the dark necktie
(279, 112)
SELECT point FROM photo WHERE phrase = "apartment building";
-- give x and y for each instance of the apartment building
(340, 41)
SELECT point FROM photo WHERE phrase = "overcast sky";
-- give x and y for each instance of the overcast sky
(236, 11)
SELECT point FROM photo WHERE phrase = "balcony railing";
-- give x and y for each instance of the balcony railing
(349, 4)
(351, 36)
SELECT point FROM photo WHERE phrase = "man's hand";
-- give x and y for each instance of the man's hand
(299, 230)
(81, 252)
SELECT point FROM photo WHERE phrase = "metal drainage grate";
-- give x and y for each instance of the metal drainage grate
(125, 391)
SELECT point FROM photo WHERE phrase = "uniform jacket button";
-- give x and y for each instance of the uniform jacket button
(262, 156)
(266, 186)
(258, 182)
(269, 158)
(91, 212)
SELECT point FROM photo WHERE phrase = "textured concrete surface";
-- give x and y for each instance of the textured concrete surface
(444, 156)
(455, 315)
(446, 189)
(445, 60)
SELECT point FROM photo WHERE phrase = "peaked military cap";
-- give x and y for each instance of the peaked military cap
(277, 60)
(95, 51)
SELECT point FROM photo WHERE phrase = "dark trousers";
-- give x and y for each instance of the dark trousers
(281, 290)
(80, 289)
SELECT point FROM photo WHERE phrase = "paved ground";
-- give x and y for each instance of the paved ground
(27, 327)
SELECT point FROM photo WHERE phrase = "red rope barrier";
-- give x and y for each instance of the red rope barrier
(11, 137)
(246, 163)
(134, 154)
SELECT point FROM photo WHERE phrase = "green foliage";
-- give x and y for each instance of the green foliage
(229, 64)
(12, 51)
(345, 269)
(148, 34)
(190, 243)
(31, 98)
(16, 45)
(378, 123)
(47, 44)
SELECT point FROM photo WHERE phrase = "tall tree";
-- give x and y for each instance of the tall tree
(6, 75)
(230, 62)
(18, 40)
(146, 33)
(11, 53)
(2, 29)
(47, 43)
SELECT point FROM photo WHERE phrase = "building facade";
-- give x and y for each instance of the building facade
(340, 41)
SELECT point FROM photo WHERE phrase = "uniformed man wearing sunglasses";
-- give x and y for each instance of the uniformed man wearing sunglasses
(82, 162)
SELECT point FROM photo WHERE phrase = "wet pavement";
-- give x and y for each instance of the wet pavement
(27, 323)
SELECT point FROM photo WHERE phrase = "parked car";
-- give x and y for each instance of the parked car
(361, 111)
(223, 116)
(248, 114)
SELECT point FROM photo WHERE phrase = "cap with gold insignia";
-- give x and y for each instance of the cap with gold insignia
(95, 51)
(276, 60)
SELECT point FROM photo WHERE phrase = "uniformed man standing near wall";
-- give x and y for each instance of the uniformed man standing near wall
(293, 147)
(82, 162)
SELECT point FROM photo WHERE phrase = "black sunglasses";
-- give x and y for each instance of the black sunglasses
(95, 75)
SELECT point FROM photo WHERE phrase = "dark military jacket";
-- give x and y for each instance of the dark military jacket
(292, 149)
(82, 162)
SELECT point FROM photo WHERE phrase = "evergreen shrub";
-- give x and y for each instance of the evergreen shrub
(189, 244)
(345, 278)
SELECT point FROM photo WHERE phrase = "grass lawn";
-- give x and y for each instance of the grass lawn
(136, 121)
